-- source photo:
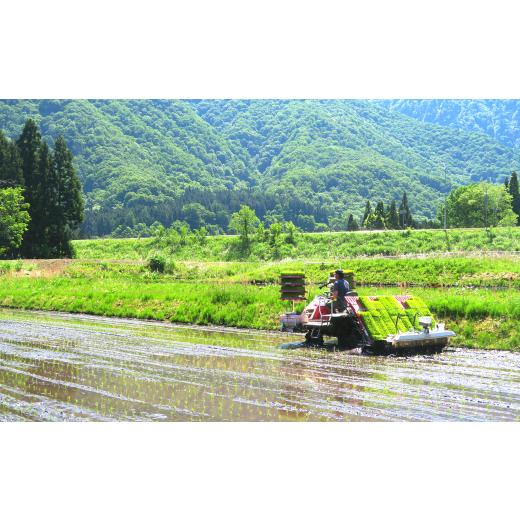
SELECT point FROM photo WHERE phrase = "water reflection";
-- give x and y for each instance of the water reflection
(55, 367)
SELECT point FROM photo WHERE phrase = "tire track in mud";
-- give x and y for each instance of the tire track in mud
(56, 367)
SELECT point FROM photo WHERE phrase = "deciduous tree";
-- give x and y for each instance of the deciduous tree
(14, 219)
(244, 223)
(466, 206)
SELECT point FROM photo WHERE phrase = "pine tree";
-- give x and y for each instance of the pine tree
(392, 217)
(44, 203)
(405, 216)
(53, 191)
(352, 224)
(379, 222)
(515, 194)
(29, 144)
(65, 202)
(11, 174)
(37, 242)
(368, 211)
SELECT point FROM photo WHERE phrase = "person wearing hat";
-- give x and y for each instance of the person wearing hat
(339, 291)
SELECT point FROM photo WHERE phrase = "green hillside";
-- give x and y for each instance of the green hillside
(300, 160)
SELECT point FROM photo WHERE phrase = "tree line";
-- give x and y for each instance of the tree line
(40, 189)
(381, 217)
(480, 204)
(474, 205)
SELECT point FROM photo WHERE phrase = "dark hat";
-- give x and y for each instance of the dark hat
(340, 272)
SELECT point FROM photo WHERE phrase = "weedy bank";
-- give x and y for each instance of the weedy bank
(478, 271)
(305, 246)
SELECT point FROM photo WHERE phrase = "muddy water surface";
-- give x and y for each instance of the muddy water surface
(56, 367)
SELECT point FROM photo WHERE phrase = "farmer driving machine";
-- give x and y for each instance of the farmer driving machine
(400, 324)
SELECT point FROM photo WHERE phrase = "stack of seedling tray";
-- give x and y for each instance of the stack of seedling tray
(384, 315)
(292, 287)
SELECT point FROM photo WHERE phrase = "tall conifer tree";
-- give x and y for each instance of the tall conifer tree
(392, 218)
(379, 222)
(53, 191)
(66, 207)
(405, 216)
(514, 191)
(368, 211)
(352, 224)
(29, 144)
(43, 243)
(11, 174)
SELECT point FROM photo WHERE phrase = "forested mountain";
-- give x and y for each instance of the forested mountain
(302, 160)
(498, 118)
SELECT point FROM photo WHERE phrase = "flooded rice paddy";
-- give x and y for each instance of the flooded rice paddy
(58, 367)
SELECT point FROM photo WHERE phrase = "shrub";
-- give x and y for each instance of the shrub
(157, 263)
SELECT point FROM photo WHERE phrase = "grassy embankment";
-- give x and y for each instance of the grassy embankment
(317, 246)
(223, 293)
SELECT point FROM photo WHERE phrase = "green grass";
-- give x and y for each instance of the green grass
(477, 271)
(232, 305)
(320, 246)
(8, 266)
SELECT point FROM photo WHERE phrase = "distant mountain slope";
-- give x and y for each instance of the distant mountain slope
(147, 160)
(145, 145)
(341, 152)
(498, 118)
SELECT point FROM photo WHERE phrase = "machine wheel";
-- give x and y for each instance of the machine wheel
(343, 340)
(314, 341)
